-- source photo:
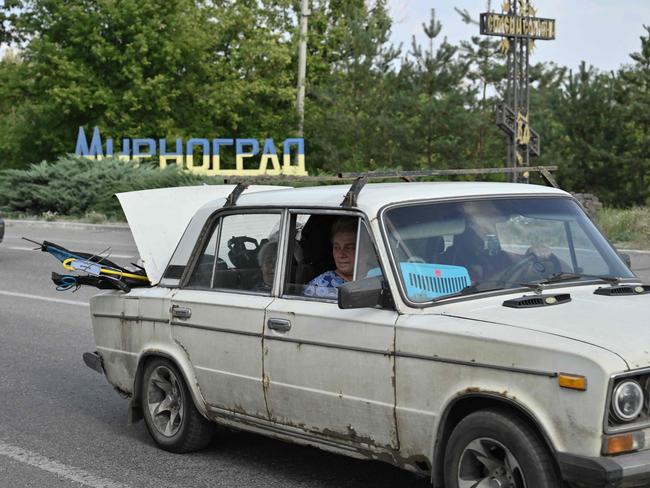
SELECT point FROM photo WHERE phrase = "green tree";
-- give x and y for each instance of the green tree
(636, 94)
(593, 152)
(348, 120)
(437, 111)
(13, 90)
(9, 20)
(135, 69)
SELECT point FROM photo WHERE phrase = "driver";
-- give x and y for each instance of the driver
(478, 250)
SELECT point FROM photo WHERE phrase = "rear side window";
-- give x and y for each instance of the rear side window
(240, 254)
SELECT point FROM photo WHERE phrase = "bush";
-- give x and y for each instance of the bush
(627, 225)
(77, 186)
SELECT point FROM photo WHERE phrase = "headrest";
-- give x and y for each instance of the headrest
(242, 255)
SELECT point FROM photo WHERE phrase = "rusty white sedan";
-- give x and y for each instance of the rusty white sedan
(482, 334)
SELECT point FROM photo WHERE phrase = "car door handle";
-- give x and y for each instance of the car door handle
(181, 312)
(280, 325)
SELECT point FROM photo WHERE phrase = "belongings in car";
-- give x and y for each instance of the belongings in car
(100, 272)
(426, 281)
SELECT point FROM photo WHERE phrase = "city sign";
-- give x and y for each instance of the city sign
(508, 25)
(519, 28)
(248, 159)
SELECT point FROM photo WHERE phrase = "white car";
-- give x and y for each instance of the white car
(482, 334)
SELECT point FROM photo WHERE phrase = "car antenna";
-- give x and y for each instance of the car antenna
(231, 201)
(351, 196)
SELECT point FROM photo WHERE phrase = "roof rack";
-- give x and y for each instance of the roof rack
(350, 199)
(544, 171)
(231, 201)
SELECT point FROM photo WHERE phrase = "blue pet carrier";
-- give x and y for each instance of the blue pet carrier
(425, 282)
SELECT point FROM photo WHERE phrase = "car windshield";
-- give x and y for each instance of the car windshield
(466, 247)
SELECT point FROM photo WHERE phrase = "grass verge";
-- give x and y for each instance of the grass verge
(627, 228)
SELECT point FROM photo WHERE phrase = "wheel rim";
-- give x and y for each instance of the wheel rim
(165, 401)
(486, 463)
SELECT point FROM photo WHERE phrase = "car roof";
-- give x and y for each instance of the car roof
(374, 196)
(371, 199)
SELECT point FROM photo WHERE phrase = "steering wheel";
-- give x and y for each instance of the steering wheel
(531, 267)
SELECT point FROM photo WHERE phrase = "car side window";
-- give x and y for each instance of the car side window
(241, 254)
(326, 251)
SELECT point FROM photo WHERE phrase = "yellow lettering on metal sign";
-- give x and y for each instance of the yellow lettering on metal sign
(211, 165)
(275, 163)
(522, 6)
(523, 130)
(504, 46)
(526, 26)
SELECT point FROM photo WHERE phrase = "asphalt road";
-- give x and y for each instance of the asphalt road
(62, 425)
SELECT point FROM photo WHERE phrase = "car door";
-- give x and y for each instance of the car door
(217, 317)
(330, 372)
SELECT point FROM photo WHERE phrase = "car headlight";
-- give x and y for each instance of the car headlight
(627, 400)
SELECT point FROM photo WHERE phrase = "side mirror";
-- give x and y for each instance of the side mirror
(365, 293)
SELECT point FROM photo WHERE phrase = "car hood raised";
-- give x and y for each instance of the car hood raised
(619, 324)
(158, 218)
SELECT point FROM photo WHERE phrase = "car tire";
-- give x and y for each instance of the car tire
(169, 412)
(499, 446)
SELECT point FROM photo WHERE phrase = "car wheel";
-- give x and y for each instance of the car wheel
(491, 448)
(169, 412)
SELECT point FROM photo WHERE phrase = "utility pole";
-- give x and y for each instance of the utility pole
(302, 65)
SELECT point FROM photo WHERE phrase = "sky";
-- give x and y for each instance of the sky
(601, 32)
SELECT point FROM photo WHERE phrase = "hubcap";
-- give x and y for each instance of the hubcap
(486, 463)
(165, 401)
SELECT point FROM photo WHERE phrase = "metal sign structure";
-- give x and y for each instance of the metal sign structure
(519, 27)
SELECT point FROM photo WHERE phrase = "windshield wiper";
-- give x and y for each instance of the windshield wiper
(564, 276)
(469, 290)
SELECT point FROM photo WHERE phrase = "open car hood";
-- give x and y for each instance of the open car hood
(158, 218)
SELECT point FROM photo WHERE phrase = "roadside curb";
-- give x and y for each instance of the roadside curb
(44, 224)
(634, 251)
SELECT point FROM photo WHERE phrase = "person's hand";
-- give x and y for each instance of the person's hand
(540, 250)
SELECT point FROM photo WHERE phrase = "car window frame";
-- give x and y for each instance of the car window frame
(206, 234)
(486, 294)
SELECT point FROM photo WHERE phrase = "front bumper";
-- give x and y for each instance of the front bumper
(623, 471)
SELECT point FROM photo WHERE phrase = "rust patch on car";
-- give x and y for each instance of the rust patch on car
(393, 381)
(187, 353)
(237, 408)
(123, 333)
(418, 461)
(476, 389)
(350, 434)
(364, 445)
